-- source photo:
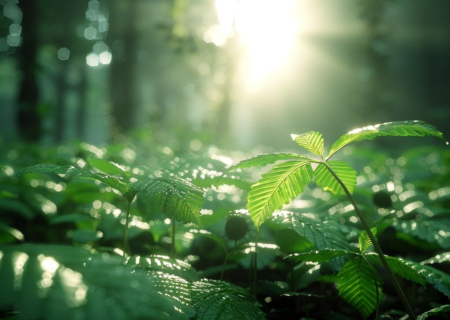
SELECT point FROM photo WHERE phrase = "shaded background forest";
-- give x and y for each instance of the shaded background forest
(233, 73)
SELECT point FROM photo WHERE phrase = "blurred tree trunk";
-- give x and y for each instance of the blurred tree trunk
(123, 66)
(28, 118)
(376, 86)
(81, 90)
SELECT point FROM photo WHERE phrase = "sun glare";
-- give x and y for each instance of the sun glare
(267, 28)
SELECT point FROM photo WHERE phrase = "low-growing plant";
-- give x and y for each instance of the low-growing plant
(177, 201)
(358, 281)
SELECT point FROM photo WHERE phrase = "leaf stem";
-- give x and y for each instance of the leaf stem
(125, 236)
(376, 246)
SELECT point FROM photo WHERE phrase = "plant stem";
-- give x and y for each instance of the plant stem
(223, 266)
(255, 266)
(125, 236)
(377, 248)
(172, 248)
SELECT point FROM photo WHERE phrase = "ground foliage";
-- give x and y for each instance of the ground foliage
(64, 210)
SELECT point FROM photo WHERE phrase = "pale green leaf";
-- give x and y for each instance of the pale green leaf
(412, 128)
(175, 197)
(311, 141)
(324, 178)
(399, 267)
(106, 166)
(219, 300)
(265, 159)
(319, 255)
(357, 286)
(277, 188)
(364, 240)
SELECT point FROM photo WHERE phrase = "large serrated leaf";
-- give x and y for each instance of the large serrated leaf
(324, 234)
(357, 286)
(324, 178)
(71, 171)
(412, 128)
(311, 141)
(437, 278)
(106, 166)
(277, 188)
(54, 282)
(399, 267)
(265, 159)
(219, 300)
(442, 257)
(164, 264)
(364, 240)
(176, 197)
(319, 255)
(434, 230)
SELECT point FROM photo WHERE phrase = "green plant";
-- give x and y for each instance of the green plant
(288, 179)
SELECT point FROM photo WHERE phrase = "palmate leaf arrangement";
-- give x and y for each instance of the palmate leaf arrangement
(75, 283)
(359, 283)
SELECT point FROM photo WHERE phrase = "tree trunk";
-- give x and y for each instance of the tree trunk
(28, 118)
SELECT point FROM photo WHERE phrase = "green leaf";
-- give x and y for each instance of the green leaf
(219, 300)
(435, 312)
(304, 275)
(324, 178)
(412, 128)
(59, 282)
(319, 255)
(434, 230)
(71, 218)
(357, 286)
(442, 257)
(265, 159)
(399, 267)
(311, 141)
(290, 241)
(16, 234)
(175, 197)
(324, 234)
(364, 240)
(105, 166)
(277, 188)
(437, 278)
(164, 264)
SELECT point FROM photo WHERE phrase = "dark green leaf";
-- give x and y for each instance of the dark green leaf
(319, 255)
(219, 300)
(164, 264)
(442, 257)
(176, 197)
(399, 267)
